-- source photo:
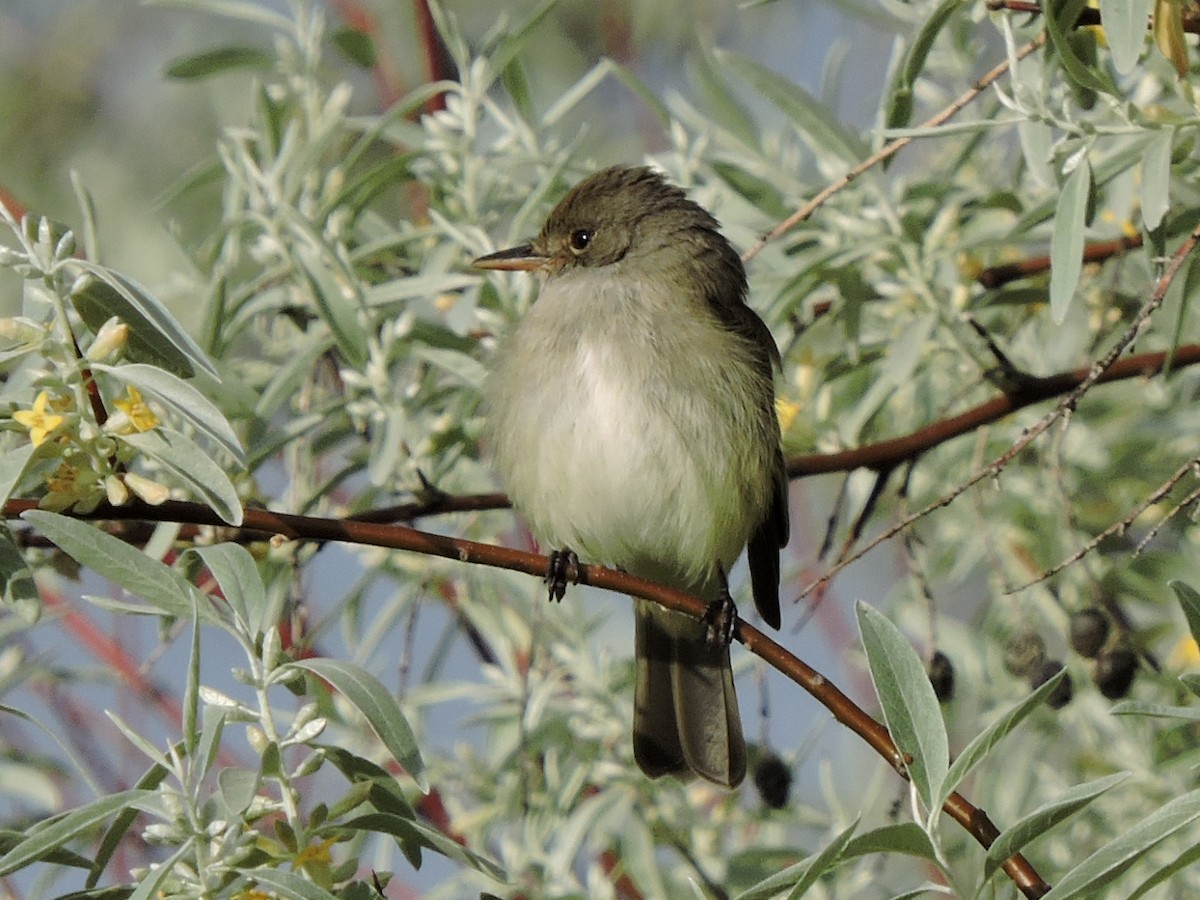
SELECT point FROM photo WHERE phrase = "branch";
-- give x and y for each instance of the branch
(888, 150)
(297, 527)
(889, 453)
(1092, 376)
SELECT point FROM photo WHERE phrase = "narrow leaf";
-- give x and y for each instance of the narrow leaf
(1189, 601)
(1066, 241)
(377, 706)
(335, 300)
(1015, 838)
(799, 877)
(214, 62)
(44, 839)
(153, 331)
(159, 585)
(810, 117)
(18, 590)
(193, 467)
(1125, 30)
(900, 106)
(286, 884)
(983, 743)
(910, 708)
(241, 585)
(1079, 71)
(12, 467)
(1156, 177)
(182, 399)
(1094, 876)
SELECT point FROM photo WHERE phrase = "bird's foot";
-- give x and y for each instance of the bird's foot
(720, 620)
(563, 570)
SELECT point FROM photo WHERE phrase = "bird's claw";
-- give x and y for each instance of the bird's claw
(720, 621)
(563, 570)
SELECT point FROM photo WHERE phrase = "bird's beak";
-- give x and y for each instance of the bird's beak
(522, 259)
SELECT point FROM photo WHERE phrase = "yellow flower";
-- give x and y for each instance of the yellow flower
(39, 422)
(140, 414)
(315, 853)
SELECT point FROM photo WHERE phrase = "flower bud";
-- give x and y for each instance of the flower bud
(109, 342)
(150, 491)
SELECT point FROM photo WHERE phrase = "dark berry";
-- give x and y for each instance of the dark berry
(941, 676)
(1024, 653)
(1089, 630)
(773, 779)
(1061, 695)
(1114, 672)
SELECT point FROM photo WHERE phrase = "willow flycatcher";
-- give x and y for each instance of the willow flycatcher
(632, 420)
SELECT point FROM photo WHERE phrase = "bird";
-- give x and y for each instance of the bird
(631, 418)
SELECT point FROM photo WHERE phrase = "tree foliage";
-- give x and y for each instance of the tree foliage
(988, 354)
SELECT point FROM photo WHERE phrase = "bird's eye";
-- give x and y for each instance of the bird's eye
(580, 240)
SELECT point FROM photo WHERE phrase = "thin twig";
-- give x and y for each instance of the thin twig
(888, 150)
(1068, 402)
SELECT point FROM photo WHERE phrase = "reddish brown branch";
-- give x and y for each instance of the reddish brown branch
(885, 454)
(1099, 251)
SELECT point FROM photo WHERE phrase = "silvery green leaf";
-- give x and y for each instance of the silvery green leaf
(182, 399)
(1156, 177)
(192, 467)
(809, 116)
(154, 334)
(50, 835)
(983, 743)
(241, 585)
(12, 467)
(1066, 240)
(338, 303)
(1189, 602)
(797, 878)
(1125, 30)
(1032, 826)
(1094, 875)
(910, 708)
(158, 584)
(377, 706)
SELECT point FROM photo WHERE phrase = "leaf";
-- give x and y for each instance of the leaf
(241, 585)
(797, 878)
(900, 102)
(18, 590)
(182, 399)
(286, 884)
(1167, 27)
(1156, 177)
(377, 706)
(1125, 30)
(48, 836)
(215, 62)
(355, 45)
(336, 301)
(155, 336)
(12, 467)
(192, 466)
(1066, 241)
(825, 133)
(905, 837)
(159, 585)
(984, 742)
(910, 708)
(1189, 602)
(1094, 876)
(719, 102)
(1015, 838)
(1060, 19)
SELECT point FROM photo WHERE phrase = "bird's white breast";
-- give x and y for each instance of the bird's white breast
(607, 449)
